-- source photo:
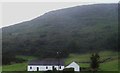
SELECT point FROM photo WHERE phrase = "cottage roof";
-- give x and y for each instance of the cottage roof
(72, 64)
(47, 61)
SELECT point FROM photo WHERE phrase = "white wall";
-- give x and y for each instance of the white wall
(74, 65)
(43, 68)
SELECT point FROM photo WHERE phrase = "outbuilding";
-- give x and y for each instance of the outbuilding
(74, 65)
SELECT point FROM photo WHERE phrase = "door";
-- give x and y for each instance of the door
(37, 68)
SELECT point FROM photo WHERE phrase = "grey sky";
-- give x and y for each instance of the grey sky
(13, 13)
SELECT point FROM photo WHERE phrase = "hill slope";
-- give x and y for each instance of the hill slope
(77, 29)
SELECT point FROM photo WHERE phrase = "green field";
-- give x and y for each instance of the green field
(18, 66)
(111, 65)
(15, 67)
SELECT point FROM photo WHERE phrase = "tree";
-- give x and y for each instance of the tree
(95, 60)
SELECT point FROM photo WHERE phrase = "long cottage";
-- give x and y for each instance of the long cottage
(46, 64)
(50, 64)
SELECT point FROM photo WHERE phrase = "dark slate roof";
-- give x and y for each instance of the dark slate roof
(47, 61)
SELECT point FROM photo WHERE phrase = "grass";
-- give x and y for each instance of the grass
(78, 58)
(18, 66)
(107, 66)
(15, 67)
(111, 65)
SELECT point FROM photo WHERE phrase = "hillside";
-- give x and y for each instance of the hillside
(73, 30)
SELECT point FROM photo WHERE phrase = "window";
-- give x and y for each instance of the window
(59, 67)
(46, 67)
(30, 67)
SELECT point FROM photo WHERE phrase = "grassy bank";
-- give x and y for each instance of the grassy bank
(18, 66)
(15, 67)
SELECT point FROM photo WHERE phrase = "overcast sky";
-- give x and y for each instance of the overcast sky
(13, 13)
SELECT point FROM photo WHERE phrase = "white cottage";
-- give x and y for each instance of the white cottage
(74, 65)
(50, 64)
(46, 64)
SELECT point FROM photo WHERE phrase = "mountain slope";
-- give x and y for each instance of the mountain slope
(76, 29)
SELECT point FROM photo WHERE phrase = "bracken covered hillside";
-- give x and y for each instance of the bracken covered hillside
(73, 30)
